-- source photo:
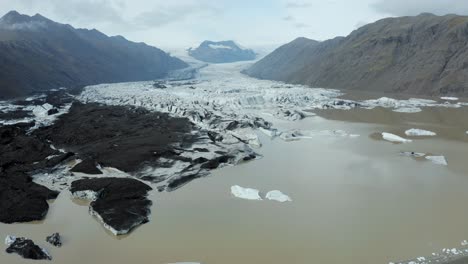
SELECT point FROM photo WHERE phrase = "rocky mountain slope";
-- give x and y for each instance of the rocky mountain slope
(37, 54)
(420, 55)
(221, 52)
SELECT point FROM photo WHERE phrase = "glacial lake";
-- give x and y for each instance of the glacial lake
(355, 200)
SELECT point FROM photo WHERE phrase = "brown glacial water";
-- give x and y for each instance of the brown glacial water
(355, 200)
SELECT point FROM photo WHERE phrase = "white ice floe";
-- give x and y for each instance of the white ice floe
(408, 110)
(449, 98)
(419, 132)
(245, 193)
(439, 160)
(464, 243)
(278, 196)
(394, 138)
(9, 240)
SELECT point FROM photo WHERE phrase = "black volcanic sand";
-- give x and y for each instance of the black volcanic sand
(22, 200)
(117, 136)
(121, 202)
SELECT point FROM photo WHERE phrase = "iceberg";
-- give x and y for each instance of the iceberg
(419, 132)
(449, 98)
(394, 138)
(245, 193)
(439, 160)
(278, 196)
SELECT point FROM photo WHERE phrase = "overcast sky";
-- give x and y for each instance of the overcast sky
(185, 23)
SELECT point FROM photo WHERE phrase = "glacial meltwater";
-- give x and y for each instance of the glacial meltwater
(354, 200)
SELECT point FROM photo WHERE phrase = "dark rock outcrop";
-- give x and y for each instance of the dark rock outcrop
(420, 55)
(87, 167)
(221, 52)
(26, 249)
(40, 54)
(55, 240)
(120, 203)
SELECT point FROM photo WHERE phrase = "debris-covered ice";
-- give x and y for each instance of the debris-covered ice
(414, 132)
(278, 196)
(245, 193)
(439, 160)
(394, 138)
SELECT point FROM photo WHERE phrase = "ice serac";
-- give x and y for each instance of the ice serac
(121, 204)
(80, 57)
(376, 58)
(221, 52)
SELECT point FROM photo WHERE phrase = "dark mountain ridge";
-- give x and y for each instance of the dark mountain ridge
(37, 54)
(419, 55)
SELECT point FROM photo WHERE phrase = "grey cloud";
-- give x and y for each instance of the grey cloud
(415, 7)
(163, 16)
(289, 18)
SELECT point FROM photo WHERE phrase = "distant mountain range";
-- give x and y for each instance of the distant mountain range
(39, 54)
(420, 55)
(221, 52)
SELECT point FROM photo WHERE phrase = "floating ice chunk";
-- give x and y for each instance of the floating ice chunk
(408, 110)
(421, 259)
(464, 243)
(278, 196)
(394, 138)
(269, 132)
(439, 160)
(419, 132)
(9, 240)
(245, 193)
(450, 98)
